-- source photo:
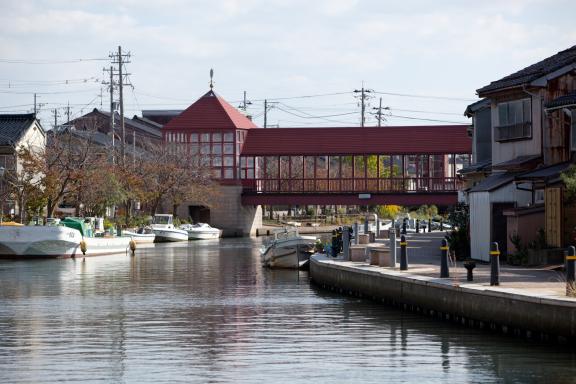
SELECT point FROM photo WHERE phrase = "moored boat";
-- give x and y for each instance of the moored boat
(142, 235)
(68, 239)
(164, 230)
(201, 231)
(288, 249)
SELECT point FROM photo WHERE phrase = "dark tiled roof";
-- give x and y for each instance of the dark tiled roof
(153, 131)
(562, 101)
(545, 174)
(475, 107)
(483, 166)
(533, 72)
(13, 126)
(520, 163)
(493, 182)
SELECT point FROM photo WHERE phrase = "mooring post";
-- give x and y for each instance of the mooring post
(444, 272)
(429, 225)
(346, 243)
(403, 256)
(377, 227)
(356, 233)
(494, 264)
(366, 230)
(417, 225)
(570, 271)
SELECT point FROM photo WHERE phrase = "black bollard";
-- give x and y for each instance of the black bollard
(403, 256)
(494, 264)
(469, 265)
(417, 225)
(444, 272)
(570, 271)
(429, 225)
(404, 224)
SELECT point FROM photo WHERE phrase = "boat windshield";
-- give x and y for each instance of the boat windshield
(162, 219)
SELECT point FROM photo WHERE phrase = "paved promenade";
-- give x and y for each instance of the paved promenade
(424, 261)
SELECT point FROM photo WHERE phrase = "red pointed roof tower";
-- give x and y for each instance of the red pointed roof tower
(213, 128)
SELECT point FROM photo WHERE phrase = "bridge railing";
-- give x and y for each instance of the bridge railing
(367, 185)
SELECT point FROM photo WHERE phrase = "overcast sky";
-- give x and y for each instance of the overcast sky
(272, 49)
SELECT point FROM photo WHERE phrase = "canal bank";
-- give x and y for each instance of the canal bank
(528, 302)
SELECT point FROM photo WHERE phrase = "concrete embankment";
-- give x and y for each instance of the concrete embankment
(510, 311)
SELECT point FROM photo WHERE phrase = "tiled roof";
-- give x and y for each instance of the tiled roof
(475, 107)
(493, 182)
(546, 174)
(13, 126)
(209, 112)
(533, 72)
(562, 101)
(357, 140)
(480, 167)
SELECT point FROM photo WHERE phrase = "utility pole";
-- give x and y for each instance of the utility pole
(121, 59)
(35, 105)
(265, 110)
(112, 110)
(267, 107)
(379, 114)
(245, 103)
(68, 114)
(363, 96)
(55, 118)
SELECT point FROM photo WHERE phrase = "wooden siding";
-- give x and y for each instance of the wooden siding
(557, 132)
(553, 201)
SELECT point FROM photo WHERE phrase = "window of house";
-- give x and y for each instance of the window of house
(514, 120)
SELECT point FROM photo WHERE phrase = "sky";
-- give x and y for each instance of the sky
(423, 59)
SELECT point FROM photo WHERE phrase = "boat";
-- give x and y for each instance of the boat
(163, 228)
(201, 231)
(143, 235)
(69, 239)
(287, 249)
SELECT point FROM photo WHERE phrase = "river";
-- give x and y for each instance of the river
(206, 312)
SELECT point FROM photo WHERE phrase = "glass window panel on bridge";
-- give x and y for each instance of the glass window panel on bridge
(354, 174)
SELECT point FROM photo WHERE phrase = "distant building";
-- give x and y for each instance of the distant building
(161, 117)
(16, 131)
(215, 130)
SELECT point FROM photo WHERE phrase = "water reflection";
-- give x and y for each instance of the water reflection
(207, 312)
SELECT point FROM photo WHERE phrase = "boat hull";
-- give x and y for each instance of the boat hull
(141, 238)
(39, 242)
(289, 253)
(169, 235)
(203, 235)
(97, 246)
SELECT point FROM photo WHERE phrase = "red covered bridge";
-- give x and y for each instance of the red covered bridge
(408, 165)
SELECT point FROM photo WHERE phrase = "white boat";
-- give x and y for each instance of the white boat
(201, 231)
(39, 241)
(56, 241)
(287, 249)
(141, 236)
(164, 230)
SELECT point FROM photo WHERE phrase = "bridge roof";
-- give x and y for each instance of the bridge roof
(437, 139)
(209, 112)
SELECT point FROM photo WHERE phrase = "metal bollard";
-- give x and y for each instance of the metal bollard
(429, 225)
(444, 272)
(346, 243)
(366, 230)
(392, 234)
(417, 225)
(494, 264)
(356, 233)
(403, 256)
(570, 271)
(469, 265)
(377, 228)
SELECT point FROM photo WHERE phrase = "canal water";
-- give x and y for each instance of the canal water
(206, 312)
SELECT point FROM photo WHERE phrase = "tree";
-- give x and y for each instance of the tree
(388, 211)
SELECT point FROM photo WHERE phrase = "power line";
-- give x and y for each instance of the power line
(424, 96)
(423, 119)
(47, 61)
